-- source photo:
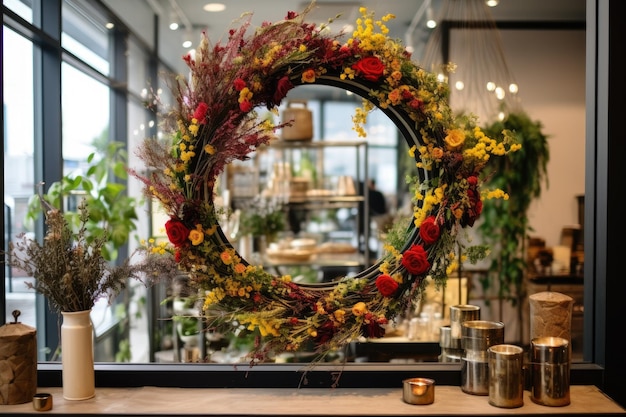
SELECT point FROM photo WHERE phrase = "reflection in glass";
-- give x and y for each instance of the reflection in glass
(88, 39)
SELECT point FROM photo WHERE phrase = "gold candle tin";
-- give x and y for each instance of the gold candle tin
(506, 376)
(42, 401)
(550, 371)
(418, 391)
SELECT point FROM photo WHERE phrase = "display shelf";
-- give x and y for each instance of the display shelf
(314, 190)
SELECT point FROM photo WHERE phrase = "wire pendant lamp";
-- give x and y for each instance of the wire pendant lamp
(466, 50)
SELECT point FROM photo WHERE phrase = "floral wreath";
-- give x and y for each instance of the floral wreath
(215, 123)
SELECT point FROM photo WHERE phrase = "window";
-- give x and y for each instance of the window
(19, 123)
(20, 132)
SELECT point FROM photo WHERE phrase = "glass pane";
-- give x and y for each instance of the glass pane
(337, 123)
(19, 125)
(382, 167)
(85, 36)
(85, 117)
(380, 130)
(23, 8)
(83, 126)
(137, 72)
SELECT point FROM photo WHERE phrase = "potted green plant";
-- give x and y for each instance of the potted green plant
(263, 218)
(505, 226)
(111, 211)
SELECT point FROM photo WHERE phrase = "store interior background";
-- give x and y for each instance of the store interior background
(548, 65)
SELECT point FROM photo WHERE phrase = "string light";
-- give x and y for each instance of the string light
(483, 84)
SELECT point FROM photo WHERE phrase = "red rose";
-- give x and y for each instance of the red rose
(407, 95)
(245, 106)
(386, 285)
(429, 230)
(200, 112)
(371, 68)
(415, 260)
(239, 84)
(416, 104)
(177, 232)
(282, 87)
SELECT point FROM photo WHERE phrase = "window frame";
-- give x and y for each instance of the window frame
(602, 359)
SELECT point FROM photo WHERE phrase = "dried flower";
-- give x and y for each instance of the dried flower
(69, 269)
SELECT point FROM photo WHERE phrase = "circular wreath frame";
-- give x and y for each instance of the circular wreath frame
(450, 153)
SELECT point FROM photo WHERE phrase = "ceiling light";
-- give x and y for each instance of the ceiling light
(173, 21)
(492, 3)
(187, 39)
(214, 7)
(500, 93)
(431, 23)
(109, 25)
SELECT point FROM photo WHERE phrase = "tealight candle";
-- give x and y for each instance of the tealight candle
(419, 391)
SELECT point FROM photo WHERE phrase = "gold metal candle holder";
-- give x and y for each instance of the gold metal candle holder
(418, 391)
(42, 402)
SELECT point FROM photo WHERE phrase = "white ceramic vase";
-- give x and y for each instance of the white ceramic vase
(77, 356)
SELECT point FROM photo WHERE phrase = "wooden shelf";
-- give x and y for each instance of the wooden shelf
(449, 401)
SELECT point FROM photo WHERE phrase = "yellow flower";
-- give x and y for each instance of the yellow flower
(209, 149)
(186, 156)
(340, 315)
(359, 309)
(455, 139)
(196, 236)
(245, 95)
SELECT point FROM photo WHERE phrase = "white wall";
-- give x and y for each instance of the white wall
(549, 67)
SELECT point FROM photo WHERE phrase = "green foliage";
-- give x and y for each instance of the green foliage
(504, 224)
(112, 213)
(188, 325)
(263, 217)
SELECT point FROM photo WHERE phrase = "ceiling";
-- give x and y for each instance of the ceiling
(409, 25)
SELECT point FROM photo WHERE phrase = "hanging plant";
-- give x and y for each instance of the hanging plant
(505, 225)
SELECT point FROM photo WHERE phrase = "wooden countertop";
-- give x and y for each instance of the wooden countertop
(449, 400)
